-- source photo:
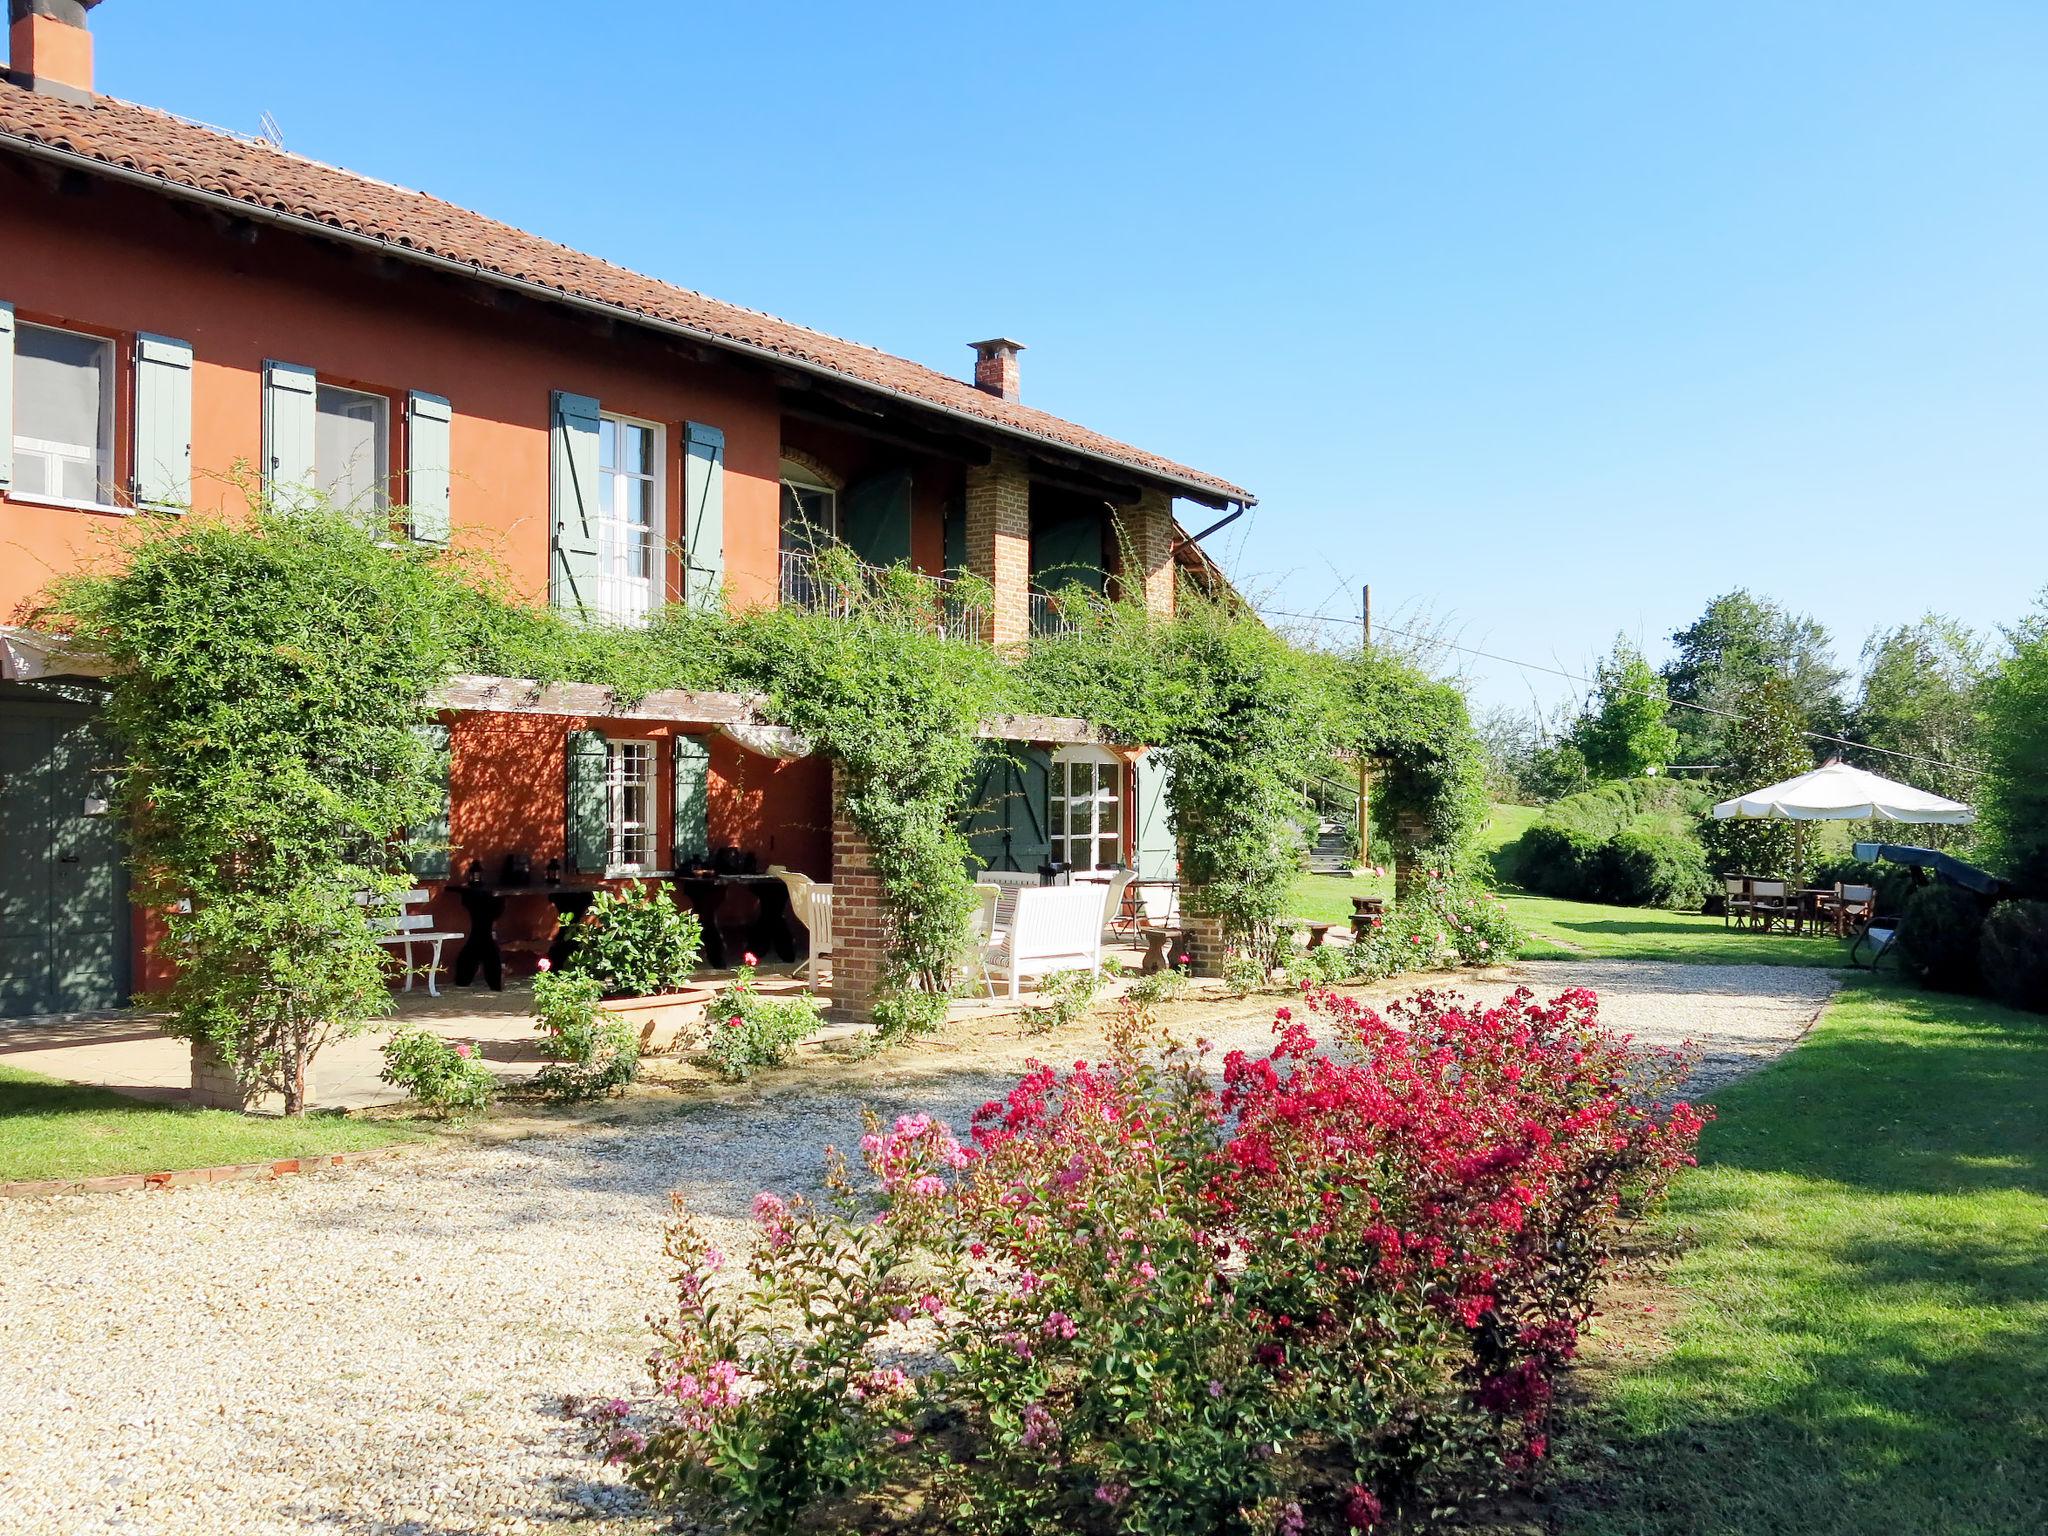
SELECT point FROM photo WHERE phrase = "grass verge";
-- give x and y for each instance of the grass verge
(51, 1129)
(1569, 930)
(1862, 1342)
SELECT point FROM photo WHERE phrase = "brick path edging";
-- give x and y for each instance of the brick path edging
(185, 1178)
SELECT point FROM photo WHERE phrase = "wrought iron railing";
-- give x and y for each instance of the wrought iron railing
(830, 583)
(1049, 615)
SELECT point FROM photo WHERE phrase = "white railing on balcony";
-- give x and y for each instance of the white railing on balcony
(1048, 616)
(813, 583)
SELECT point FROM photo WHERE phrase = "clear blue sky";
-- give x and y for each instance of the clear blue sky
(1550, 321)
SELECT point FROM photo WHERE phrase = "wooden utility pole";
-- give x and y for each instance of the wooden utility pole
(1364, 772)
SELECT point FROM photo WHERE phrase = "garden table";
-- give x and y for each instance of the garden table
(485, 904)
(706, 893)
(1159, 940)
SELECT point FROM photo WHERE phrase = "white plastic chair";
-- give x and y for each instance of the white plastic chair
(984, 928)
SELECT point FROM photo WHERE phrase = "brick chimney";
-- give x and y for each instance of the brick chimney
(49, 47)
(995, 367)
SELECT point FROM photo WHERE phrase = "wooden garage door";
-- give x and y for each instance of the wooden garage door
(63, 891)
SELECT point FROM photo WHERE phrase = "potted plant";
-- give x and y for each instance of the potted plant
(641, 949)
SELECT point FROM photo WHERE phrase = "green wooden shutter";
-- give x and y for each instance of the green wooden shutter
(427, 851)
(589, 806)
(956, 538)
(428, 482)
(573, 490)
(876, 517)
(1066, 550)
(692, 799)
(163, 423)
(1005, 821)
(1158, 845)
(6, 396)
(703, 514)
(290, 393)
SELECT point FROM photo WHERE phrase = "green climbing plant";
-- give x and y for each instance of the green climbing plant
(267, 676)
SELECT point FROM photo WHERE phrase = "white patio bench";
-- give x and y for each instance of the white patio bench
(1051, 928)
(405, 927)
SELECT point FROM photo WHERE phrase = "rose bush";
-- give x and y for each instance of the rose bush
(1335, 1285)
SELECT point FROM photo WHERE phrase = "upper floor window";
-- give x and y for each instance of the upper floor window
(810, 509)
(630, 529)
(63, 415)
(352, 448)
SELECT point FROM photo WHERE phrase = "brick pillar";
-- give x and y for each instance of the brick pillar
(1148, 545)
(1204, 939)
(1410, 833)
(215, 1086)
(999, 545)
(860, 928)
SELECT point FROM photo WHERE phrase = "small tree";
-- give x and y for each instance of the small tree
(268, 676)
(1765, 747)
(2012, 798)
(1624, 732)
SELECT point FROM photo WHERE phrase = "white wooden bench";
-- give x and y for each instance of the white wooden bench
(1051, 928)
(404, 927)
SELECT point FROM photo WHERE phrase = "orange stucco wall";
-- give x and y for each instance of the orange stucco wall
(115, 262)
(508, 788)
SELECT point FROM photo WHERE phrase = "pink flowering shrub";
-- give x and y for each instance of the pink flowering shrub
(1336, 1286)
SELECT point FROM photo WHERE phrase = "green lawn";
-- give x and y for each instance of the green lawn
(1863, 1334)
(1565, 930)
(57, 1130)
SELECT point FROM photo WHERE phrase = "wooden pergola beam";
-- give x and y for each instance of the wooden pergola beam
(683, 706)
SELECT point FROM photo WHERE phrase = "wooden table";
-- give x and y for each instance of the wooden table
(485, 904)
(706, 892)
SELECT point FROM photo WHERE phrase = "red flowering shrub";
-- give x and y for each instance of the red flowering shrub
(1339, 1284)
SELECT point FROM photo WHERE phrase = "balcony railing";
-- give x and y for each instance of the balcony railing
(1049, 616)
(818, 584)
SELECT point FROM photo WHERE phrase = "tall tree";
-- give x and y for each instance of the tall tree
(1739, 641)
(1624, 731)
(1766, 745)
(2012, 798)
(1921, 691)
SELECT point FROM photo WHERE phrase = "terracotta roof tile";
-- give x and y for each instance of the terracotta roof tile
(190, 155)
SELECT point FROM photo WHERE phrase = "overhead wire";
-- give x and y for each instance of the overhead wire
(1537, 666)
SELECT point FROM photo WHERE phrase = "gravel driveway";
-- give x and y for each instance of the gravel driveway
(385, 1350)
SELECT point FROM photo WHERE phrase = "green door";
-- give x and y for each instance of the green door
(63, 891)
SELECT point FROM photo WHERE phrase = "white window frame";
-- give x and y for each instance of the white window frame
(624, 598)
(1063, 841)
(805, 485)
(380, 473)
(618, 827)
(103, 453)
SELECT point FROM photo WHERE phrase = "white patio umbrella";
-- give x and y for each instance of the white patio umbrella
(1838, 792)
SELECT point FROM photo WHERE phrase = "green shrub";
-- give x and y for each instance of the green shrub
(1651, 866)
(636, 943)
(1064, 998)
(1165, 985)
(1634, 842)
(1939, 934)
(437, 1074)
(590, 1052)
(2012, 956)
(747, 1030)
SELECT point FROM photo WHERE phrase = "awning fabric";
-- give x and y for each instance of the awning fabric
(1839, 792)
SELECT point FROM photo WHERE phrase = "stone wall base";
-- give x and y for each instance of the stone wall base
(215, 1086)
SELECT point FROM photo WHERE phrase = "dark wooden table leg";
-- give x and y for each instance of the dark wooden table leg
(705, 898)
(480, 950)
(770, 928)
